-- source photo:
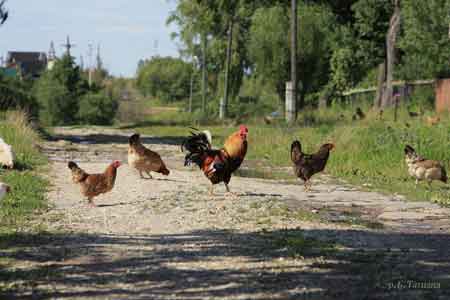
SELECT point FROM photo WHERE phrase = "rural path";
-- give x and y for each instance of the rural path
(166, 238)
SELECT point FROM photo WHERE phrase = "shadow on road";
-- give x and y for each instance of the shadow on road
(361, 265)
(100, 138)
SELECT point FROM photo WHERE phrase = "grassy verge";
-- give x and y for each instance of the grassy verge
(28, 187)
(369, 152)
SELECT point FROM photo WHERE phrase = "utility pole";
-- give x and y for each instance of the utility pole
(224, 100)
(90, 53)
(99, 61)
(204, 78)
(291, 95)
(191, 89)
(81, 63)
(68, 45)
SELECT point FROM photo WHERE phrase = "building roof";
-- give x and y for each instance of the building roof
(30, 63)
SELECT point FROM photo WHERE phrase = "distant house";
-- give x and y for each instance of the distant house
(9, 72)
(28, 64)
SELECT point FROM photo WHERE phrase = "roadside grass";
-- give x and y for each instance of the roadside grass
(368, 152)
(28, 186)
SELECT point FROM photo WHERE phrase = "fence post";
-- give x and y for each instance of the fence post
(290, 103)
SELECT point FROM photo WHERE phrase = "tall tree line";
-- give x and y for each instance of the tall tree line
(238, 46)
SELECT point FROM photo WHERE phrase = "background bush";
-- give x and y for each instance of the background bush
(97, 109)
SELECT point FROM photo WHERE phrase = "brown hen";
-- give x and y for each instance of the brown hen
(93, 185)
(143, 159)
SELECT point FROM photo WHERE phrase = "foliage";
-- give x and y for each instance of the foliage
(425, 41)
(3, 12)
(269, 47)
(166, 78)
(16, 94)
(97, 109)
(58, 92)
(58, 106)
(371, 25)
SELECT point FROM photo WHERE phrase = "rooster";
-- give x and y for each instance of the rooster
(306, 165)
(143, 159)
(216, 164)
(93, 185)
(422, 168)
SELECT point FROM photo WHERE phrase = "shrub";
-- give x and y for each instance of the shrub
(97, 109)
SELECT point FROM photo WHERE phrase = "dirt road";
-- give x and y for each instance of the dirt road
(167, 239)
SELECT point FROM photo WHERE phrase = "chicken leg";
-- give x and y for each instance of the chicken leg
(308, 185)
(230, 193)
(91, 203)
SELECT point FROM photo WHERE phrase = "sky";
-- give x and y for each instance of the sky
(127, 30)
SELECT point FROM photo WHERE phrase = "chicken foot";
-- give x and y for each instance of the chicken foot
(211, 191)
(148, 173)
(230, 193)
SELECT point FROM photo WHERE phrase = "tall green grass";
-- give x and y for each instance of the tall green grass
(28, 186)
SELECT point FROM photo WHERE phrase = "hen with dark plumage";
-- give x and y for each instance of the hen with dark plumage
(306, 165)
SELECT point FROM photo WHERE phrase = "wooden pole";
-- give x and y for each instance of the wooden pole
(391, 39)
(191, 90)
(380, 84)
(396, 98)
(204, 75)
(291, 113)
(224, 100)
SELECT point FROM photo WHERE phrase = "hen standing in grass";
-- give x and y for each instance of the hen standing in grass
(143, 159)
(306, 165)
(422, 168)
(93, 185)
(217, 165)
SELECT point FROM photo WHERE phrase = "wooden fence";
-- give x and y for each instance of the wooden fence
(403, 88)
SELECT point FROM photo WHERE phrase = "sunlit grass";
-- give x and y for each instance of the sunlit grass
(28, 186)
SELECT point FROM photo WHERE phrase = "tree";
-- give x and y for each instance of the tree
(57, 104)
(269, 51)
(166, 78)
(16, 94)
(58, 92)
(268, 46)
(3, 12)
(196, 22)
(97, 109)
(425, 42)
